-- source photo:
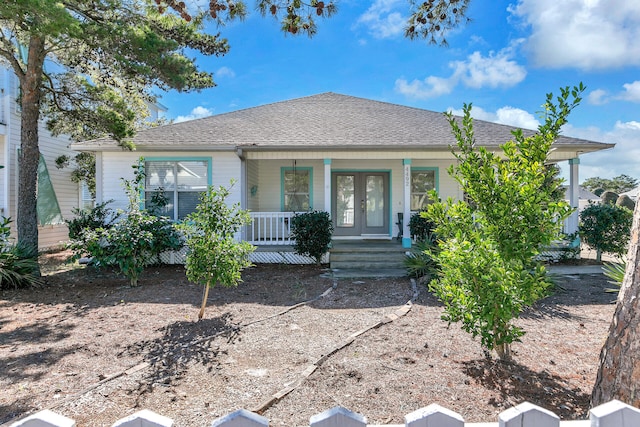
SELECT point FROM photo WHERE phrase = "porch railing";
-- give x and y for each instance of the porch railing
(270, 228)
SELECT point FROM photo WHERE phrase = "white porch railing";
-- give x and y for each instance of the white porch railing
(270, 228)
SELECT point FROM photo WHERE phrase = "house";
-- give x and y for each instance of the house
(366, 162)
(584, 197)
(57, 195)
(633, 194)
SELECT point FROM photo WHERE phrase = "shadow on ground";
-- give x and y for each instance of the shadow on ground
(516, 383)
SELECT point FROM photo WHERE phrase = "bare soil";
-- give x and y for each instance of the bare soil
(94, 349)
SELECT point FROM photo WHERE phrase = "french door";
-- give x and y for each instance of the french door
(360, 203)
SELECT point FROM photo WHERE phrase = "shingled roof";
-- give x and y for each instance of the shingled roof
(327, 120)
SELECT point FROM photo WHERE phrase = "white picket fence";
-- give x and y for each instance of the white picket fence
(611, 414)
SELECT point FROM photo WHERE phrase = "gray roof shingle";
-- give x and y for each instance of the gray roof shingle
(326, 120)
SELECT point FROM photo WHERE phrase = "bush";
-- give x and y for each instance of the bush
(420, 227)
(90, 219)
(312, 232)
(626, 202)
(420, 263)
(17, 268)
(598, 191)
(606, 228)
(609, 197)
(132, 243)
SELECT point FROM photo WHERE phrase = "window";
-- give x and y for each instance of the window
(179, 182)
(296, 189)
(86, 199)
(422, 182)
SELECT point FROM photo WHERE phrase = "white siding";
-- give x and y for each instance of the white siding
(50, 147)
(117, 165)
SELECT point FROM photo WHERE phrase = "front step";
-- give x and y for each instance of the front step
(368, 259)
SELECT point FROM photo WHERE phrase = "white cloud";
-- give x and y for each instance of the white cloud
(631, 92)
(492, 71)
(225, 72)
(505, 116)
(477, 71)
(197, 113)
(598, 97)
(610, 163)
(584, 34)
(383, 19)
(431, 87)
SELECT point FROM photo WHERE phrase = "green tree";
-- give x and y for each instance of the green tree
(429, 20)
(215, 257)
(605, 227)
(618, 184)
(488, 242)
(89, 68)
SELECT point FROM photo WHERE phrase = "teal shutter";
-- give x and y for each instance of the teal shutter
(47, 205)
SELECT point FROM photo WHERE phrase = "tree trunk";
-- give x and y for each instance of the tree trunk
(205, 296)
(31, 92)
(619, 372)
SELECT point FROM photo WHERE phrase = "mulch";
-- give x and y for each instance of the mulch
(92, 348)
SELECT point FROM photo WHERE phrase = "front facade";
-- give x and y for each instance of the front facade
(370, 164)
(57, 194)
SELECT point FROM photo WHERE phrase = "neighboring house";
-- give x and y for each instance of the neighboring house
(57, 195)
(584, 197)
(363, 161)
(633, 194)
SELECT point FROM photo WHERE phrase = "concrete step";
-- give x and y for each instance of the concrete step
(354, 273)
(367, 256)
(367, 264)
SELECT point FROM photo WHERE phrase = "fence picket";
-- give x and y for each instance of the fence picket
(611, 414)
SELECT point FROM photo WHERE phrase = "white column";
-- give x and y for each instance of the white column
(327, 185)
(574, 195)
(406, 208)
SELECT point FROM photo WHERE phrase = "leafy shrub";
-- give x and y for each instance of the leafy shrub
(17, 268)
(609, 197)
(132, 243)
(90, 219)
(606, 228)
(214, 255)
(312, 232)
(420, 263)
(598, 191)
(420, 227)
(626, 202)
(614, 271)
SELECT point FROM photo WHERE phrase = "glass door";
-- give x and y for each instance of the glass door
(360, 203)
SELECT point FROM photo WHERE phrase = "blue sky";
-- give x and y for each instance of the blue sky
(504, 62)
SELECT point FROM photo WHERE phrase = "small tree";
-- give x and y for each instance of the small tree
(490, 240)
(312, 233)
(214, 254)
(606, 228)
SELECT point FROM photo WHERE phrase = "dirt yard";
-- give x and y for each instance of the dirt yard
(93, 349)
